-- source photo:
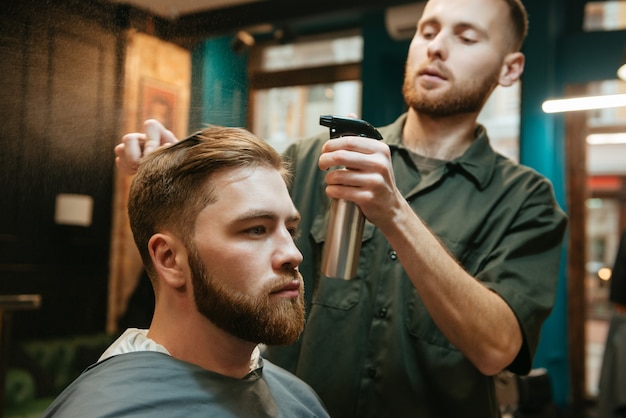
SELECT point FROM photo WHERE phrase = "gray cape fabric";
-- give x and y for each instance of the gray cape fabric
(151, 384)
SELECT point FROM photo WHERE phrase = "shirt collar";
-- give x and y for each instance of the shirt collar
(255, 359)
(478, 161)
(256, 365)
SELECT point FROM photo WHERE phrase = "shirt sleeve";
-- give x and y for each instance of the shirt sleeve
(524, 268)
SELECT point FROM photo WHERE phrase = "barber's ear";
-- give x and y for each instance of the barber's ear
(512, 69)
(170, 260)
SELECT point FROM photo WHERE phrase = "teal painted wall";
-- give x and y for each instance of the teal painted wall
(542, 148)
(219, 86)
(382, 72)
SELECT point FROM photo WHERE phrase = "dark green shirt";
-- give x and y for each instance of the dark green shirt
(370, 348)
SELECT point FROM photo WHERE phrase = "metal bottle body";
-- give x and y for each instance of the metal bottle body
(340, 257)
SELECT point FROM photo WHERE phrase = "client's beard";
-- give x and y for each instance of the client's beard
(254, 318)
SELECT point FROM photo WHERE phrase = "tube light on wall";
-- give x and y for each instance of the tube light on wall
(607, 139)
(584, 103)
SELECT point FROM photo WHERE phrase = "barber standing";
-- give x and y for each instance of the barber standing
(460, 255)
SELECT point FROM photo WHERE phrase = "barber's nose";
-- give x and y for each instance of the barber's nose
(438, 47)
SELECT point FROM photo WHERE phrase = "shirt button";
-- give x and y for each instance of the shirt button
(382, 312)
(393, 255)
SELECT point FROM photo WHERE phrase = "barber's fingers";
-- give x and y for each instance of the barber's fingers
(129, 152)
(136, 145)
(153, 136)
(156, 135)
(121, 162)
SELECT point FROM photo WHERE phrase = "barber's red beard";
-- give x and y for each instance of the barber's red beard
(466, 98)
(255, 318)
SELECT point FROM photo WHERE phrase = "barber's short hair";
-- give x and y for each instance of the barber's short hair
(519, 18)
(170, 187)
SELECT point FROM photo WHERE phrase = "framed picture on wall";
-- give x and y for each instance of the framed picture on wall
(157, 100)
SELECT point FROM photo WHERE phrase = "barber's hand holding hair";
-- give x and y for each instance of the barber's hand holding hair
(135, 145)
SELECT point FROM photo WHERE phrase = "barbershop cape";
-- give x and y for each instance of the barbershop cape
(152, 384)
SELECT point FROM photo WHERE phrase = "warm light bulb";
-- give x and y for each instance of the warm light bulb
(621, 72)
(605, 273)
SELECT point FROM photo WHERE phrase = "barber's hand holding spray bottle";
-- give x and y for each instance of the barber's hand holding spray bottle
(340, 257)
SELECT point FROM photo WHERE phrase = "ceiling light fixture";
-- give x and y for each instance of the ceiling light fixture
(584, 103)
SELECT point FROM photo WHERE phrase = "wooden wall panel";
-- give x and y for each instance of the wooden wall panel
(577, 194)
(165, 65)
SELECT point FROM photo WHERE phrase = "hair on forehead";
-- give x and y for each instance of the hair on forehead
(518, 19)
(215, 148)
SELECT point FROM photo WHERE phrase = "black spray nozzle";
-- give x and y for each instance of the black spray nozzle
(341, 126)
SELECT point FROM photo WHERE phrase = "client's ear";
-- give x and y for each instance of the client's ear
(169, 257)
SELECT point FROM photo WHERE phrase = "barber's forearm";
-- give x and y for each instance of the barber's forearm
(475, 319)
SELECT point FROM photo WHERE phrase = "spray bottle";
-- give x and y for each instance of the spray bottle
(340, 256)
